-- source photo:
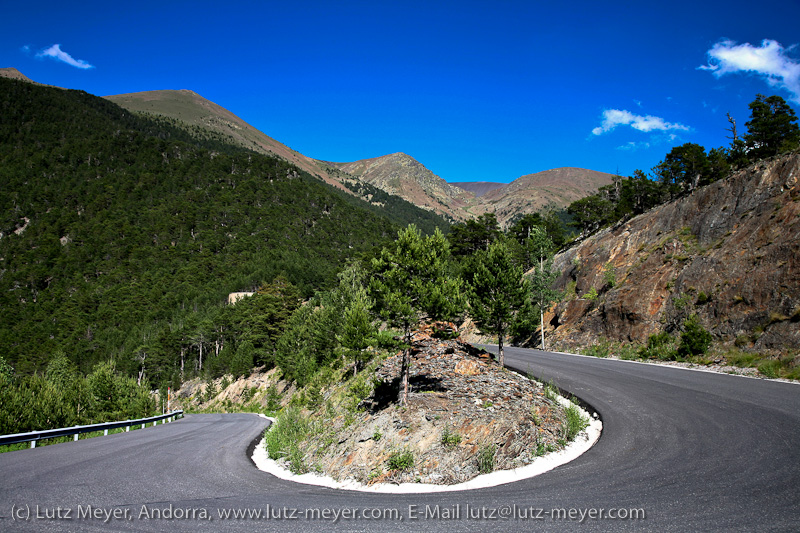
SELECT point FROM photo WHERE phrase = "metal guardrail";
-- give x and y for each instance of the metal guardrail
(34, 436)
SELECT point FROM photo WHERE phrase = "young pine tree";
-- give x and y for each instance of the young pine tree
(411, 281)
(498, 292)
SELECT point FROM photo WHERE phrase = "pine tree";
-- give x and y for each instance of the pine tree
(772, 128)
(357, 330)
(411, 282)
(498, 292)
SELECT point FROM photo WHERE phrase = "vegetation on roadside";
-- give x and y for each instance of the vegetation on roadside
(62, 397)
(665, 347)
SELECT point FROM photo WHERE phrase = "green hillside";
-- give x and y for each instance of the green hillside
(120, 235)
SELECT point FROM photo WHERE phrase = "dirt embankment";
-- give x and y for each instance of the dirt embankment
(465, 416)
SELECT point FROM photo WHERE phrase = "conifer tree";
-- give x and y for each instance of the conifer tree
(772, 128)
(498, 292)
(357, 330)
(411, 282)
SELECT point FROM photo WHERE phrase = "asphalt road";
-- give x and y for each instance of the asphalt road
(695, 451)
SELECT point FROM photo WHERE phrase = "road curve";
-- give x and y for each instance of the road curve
(696, 451)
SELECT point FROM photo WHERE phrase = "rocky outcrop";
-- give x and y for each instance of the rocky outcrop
(729, 253)
(463, 408)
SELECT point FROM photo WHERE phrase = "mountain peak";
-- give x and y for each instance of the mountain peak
(14, 74)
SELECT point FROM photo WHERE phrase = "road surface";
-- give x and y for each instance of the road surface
(689, 451)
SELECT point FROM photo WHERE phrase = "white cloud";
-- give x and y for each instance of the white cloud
(633, 146)
(619, 117)
(770, 60)
(55, 52)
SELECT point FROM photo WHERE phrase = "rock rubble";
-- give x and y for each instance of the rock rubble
(462, 407)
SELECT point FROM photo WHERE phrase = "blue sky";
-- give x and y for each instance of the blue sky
(476, 91)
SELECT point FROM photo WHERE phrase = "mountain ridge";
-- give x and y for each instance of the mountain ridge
(478, 188)
(396, 174)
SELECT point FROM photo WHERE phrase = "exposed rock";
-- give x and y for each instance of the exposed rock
(729, 252)
(262, 389)
(460, 403)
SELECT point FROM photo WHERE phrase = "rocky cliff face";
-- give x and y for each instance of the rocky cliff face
(729, 253)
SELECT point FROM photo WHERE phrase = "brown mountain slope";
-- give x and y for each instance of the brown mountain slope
(397, 174)
(193, 109)
(14, 74)
(404, 176)
(554, 188)
(400, 174)
(729, 253)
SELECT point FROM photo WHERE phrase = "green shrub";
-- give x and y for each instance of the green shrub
(485, 458)
(273, 398)
(610, 275)
(695, 340)
(681, 301)
(401, 461)
(283, 440)
(659, 346)
(450, 439)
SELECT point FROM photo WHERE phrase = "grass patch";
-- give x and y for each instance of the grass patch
(742, 359)
(283, 440)
(601, 349)
(574, 423)
(550, 391)
(401, 461)
(770, 368)
(485, 458)
(787, 367)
